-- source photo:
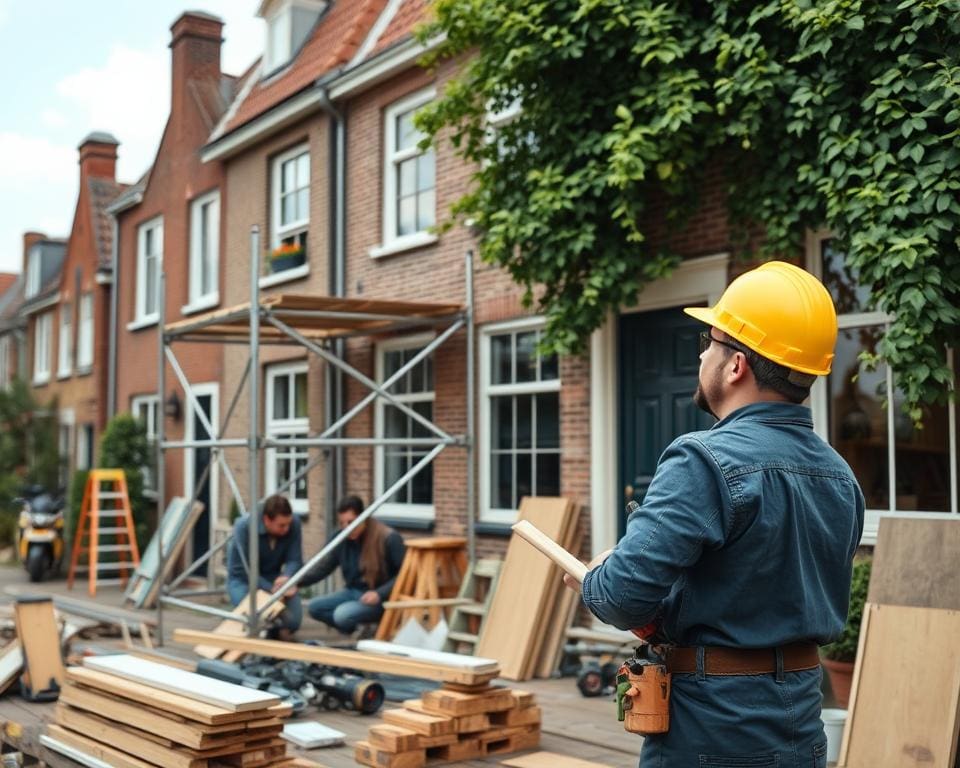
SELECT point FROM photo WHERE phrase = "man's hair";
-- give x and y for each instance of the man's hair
(793, 385)
(348, 503)
(277, 506)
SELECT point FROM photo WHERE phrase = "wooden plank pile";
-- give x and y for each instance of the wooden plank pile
(452, 724)
(531, 610)
(132, 713)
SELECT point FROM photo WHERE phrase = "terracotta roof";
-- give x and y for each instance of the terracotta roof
(102, 193)
(338, 33)
(6, 280)
(11, 299)
(213, 98)
(407, 18)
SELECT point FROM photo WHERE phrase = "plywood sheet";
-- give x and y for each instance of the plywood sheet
(904, 707)
(39, 638)
(512, 630)
(199, 687)
(915, 563)
(178, 523)
(473, 663)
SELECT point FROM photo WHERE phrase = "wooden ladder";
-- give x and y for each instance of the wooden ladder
(104, 512)
(466, 622)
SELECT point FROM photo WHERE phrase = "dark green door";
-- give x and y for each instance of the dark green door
(659, 365)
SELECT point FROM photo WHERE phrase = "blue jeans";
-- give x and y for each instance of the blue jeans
(343, 610)
(292, 616)
(741, 721)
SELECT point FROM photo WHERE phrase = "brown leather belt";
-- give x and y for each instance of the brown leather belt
(744, 661)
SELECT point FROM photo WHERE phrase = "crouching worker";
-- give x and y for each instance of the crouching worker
(281, 556)
(369, 558)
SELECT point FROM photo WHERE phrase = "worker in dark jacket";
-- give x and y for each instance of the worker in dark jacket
(280, 557)
(369, 559)
(741, 552)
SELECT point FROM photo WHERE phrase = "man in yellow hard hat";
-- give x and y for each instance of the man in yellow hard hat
(741, 552)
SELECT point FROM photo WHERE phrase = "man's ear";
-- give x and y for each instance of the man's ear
(738, 369)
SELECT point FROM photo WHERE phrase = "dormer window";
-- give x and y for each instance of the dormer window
(34, 265)
(289, 23)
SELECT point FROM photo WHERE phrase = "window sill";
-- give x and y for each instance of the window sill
(408, 523)
(85, 371)
(143, 322)
(403, 244)
(61, 375)
(40, 381)
(204, 302)
(284, 277)
(493, 529)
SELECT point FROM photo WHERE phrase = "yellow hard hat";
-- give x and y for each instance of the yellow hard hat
(782, 313)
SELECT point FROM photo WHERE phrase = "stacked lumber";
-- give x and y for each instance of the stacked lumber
(452, 724)
(531, 610)
(132, 713)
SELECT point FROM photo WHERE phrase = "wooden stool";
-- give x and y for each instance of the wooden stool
(432, 570)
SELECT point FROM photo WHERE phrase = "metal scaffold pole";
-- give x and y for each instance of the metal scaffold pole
(253, 464)
(161, 459)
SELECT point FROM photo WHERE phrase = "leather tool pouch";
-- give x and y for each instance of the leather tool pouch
(643, 696)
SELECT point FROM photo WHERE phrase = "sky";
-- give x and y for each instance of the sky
(75, 67)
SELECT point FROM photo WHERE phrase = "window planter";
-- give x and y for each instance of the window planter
(281, 262)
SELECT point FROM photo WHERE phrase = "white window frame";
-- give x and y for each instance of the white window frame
(4, 360)
(400, 511)
(291, 229)
(146, 408)
(142, 318)
(819, 406)
(273, 427)
(197, 299)
(65, 342)
(391, 242)
(42, 342)
(487, 513)
(65, 443)
(85, 333)
(213, 478)
(34, 265)
(282, 13)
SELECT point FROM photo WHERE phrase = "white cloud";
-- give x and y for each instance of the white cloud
(5, 11)
(52, 118)
(129, 96)
(32, 159)
(243, 32)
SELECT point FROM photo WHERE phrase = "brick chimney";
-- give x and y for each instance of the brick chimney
(195, 40)
(30, 239)
(98, 156)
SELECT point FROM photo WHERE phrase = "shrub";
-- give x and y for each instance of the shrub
(845, 647)
(124, 446)
(75, 498)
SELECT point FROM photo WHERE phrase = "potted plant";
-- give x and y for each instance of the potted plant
(286, 256)
(839, 657)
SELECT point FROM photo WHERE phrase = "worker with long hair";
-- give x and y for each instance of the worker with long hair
(369, 559)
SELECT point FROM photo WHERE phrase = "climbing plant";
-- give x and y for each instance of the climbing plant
(591, 121)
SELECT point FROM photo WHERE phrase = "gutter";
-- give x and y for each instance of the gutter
(381, 67)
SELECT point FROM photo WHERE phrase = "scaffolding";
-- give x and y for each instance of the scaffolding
(315, 323)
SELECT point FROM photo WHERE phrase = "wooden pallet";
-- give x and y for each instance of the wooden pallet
(452, 726)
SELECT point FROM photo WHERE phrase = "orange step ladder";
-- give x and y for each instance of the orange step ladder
(105, 527)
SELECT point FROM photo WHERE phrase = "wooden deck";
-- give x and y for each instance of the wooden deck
(572, 725)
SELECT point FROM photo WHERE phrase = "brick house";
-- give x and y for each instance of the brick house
(590, 427)
(11, 327)
(169, 223)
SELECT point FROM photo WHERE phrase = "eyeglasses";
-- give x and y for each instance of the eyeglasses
(706, 339)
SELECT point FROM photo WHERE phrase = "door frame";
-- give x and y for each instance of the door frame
(199, 390)
(694, 281)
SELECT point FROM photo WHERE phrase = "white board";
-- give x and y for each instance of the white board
(11, 664)
(235, 698)
(473, 663)
(312, 734)
(74, 754)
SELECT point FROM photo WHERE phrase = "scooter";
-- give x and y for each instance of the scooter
(41, 532)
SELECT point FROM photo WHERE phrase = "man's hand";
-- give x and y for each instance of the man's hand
(279, 582)
(572, 583)
(370, 598)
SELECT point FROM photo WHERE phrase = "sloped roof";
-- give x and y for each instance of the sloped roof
(102, 193)
(6, 280)
(11, 299)
(213, 98)
(407, 17)
(338, 33)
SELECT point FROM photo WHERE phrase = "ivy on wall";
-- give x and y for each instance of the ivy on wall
(581, 115)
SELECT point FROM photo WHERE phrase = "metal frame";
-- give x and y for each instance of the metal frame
(284, 321)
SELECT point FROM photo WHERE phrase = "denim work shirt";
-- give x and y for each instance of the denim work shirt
(285, 556)
(347, 557)
(745, 539)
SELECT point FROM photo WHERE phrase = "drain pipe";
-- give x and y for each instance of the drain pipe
(333, 381)
(112, 349)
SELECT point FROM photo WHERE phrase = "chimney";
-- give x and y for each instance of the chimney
(98, 156)
(30, 239)
(195, 40)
